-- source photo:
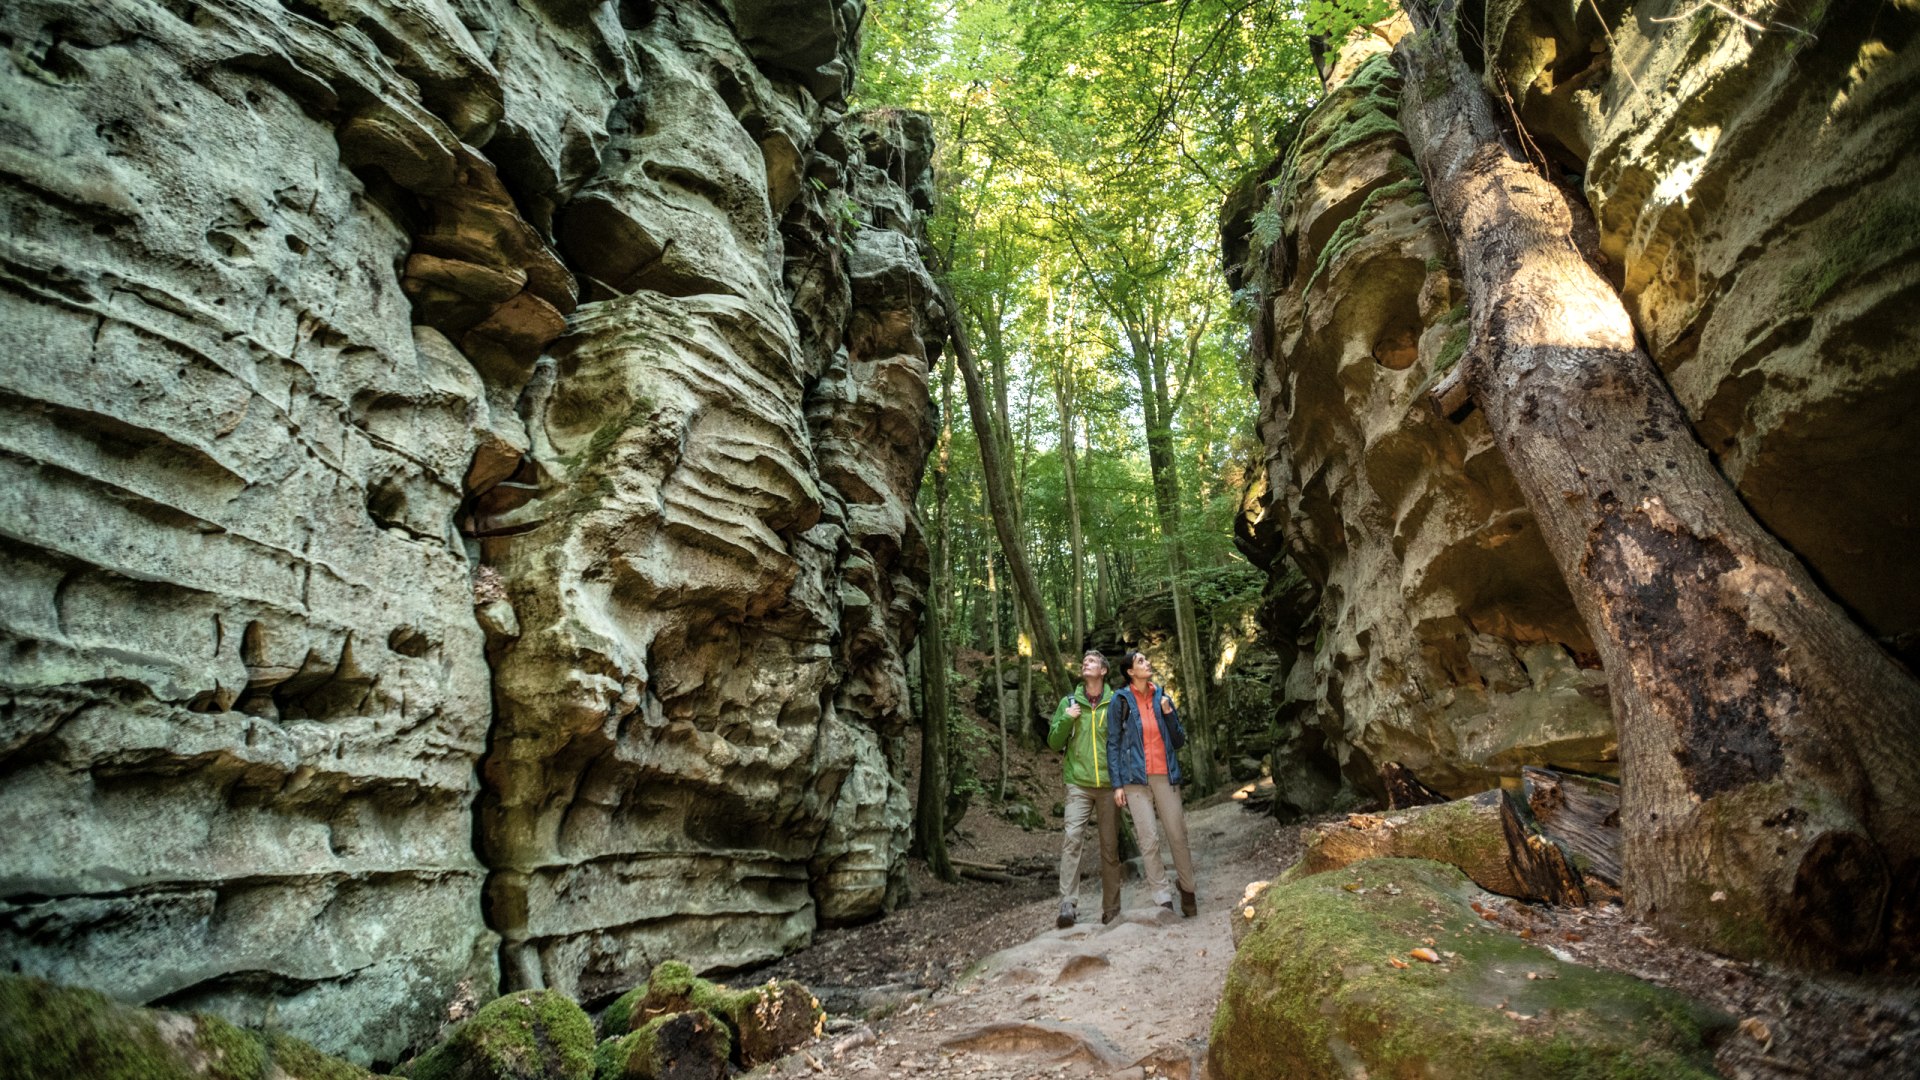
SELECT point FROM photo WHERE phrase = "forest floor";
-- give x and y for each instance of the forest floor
(973, 980)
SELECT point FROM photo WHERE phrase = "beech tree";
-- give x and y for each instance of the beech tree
(1767, 743)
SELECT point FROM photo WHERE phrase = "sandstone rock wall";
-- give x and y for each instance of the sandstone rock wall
(457, 515)
(1748, 190)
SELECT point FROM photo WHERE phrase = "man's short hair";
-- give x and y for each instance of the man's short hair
(1098, 653)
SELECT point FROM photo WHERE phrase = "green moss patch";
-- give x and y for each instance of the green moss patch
(683, 1046)
(1312, 992)
(48, 1031)
(764, 1021)
(528, 1035)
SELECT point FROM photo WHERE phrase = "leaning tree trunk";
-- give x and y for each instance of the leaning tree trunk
(1000, 502)
(1770, 749)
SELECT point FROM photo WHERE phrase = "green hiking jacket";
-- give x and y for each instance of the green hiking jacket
(1084, 739)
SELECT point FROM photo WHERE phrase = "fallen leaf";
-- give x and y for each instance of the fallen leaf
(1532, 975)
(1428, 955)
(1248, 912)
(1428, 941)
(1396, 961)
(1718, 895)
(1527, 933)
(1756, 1030)
(1571, 936)
(1511, 1015)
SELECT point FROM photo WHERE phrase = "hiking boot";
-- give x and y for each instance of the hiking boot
(1066, 916)
(1108, 916)
(1189, 904)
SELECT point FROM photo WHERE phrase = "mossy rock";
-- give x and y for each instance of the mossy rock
(765, 1021)
(526, 1035)
(48, 1031)
(678, 1046)
(1311, 992)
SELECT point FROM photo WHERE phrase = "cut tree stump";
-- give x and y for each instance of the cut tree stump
(1538, 863)
(1583, 814)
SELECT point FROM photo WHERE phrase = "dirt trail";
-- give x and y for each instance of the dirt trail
(1131, 999)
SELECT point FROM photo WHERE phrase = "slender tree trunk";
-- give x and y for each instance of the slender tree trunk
(1026, 682)
(1076, 546)
(1001, 501)
(1767, 744)
(930, 815)
(1102, 588)
(999, 686)
(1166, 500)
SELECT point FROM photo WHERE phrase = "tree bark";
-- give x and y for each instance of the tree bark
(1001, 501)
(999, 685)
(930, 814)
(1076, 544)
(1767, 743)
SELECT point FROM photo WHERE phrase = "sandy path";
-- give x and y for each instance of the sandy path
(1131, 999)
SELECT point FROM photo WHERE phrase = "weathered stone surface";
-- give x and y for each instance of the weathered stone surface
(365, 590)
(1311, 992)
(1753, 208)
(1437, 632)
(1760, 218)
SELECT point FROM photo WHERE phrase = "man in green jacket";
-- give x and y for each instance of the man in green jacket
(1080, 728)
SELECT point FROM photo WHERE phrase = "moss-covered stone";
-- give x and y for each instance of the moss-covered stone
(52, 1031)
(691, 1045)
(765, 1021)
(1311, 992)
(527, 1035)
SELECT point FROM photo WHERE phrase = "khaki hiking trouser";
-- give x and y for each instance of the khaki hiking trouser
(1097, 803)
(1157, 798)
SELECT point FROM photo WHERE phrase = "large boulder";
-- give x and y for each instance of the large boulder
(1324, 985)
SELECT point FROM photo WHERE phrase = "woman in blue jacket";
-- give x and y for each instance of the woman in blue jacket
(1143, 731)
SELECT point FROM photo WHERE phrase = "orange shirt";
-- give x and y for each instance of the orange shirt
(1150, 732)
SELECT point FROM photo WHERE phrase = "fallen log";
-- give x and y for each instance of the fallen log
(1464, 832)
(1556, 839)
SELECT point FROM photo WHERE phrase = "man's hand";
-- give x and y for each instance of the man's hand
(1119, 797)
(1073, 710)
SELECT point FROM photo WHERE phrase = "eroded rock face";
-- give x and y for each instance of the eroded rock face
(1428, 623)
(1760, 218)
(1753, 212)
(459, 467)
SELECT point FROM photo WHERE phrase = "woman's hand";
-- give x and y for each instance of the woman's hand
(1119, 797)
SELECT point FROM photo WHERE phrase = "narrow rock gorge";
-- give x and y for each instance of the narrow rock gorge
(1754, 210)
(458, 524)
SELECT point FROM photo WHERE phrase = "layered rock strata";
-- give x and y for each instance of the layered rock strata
(459, 462)
(1767, 281)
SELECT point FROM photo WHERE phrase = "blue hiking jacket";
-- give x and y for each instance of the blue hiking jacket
(1126, 751)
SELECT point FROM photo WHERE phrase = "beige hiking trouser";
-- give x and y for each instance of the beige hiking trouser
(1085, 804)
(1157, 798)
